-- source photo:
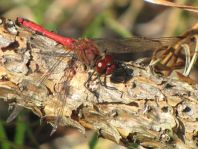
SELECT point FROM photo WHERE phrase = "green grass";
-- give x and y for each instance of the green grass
(93, 142)
(3, 137)
(95, 29)
(19, 135)
(118, 28)
(40, 9)
(20, 132)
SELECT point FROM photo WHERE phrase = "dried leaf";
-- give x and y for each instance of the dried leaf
(186, 79)
(171, 4)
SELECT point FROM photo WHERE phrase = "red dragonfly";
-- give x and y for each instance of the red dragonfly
(99, 54)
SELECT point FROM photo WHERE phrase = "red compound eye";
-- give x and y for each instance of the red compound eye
(106, 65)
(101, 66)
(110, 69)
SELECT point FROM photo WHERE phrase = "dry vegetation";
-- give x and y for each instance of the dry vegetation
(150, 110)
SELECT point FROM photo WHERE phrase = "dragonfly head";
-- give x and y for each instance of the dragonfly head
(106, 65)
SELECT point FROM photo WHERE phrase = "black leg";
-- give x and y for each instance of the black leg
(87, 86)
(104, 83)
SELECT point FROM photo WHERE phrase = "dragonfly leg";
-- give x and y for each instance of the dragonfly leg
(55, 126)
(104, 83)
(87, 86)
(55, 120)
(101, 82)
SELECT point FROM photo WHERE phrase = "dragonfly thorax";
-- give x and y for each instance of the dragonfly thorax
(86, 51)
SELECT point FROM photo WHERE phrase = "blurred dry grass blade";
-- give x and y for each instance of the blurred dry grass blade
(171, 4)
(17, 109)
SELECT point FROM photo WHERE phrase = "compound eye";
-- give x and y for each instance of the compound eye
(109, 64)
(110, 69)
(101, 67)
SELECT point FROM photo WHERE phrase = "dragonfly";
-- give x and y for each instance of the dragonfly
(101, 55)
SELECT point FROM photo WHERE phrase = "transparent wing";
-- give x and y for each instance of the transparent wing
(63, 91)
(134, 44)
(52, 54)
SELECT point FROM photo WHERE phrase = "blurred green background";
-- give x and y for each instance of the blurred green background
(84, 18)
